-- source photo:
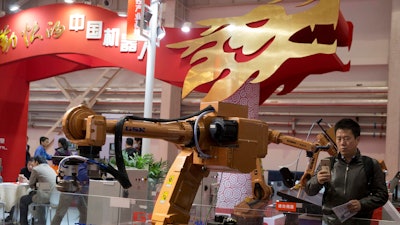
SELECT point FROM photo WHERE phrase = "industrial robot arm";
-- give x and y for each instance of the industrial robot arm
(220, 138)
(325, 143)
(250, 210)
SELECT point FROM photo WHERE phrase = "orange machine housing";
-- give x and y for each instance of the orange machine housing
(201, 150)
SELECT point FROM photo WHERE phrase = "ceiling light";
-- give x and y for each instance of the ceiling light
(186, 27)
(14, 8)
(17, 5)
(69, 1)
(122, 14)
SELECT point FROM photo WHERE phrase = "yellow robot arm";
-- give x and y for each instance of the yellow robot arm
(221, 138)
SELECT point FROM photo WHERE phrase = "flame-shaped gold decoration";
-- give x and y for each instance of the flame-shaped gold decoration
(263, 48)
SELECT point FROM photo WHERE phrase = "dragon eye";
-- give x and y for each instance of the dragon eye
(257, 24)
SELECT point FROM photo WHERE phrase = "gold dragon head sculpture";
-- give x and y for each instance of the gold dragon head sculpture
(254, 46)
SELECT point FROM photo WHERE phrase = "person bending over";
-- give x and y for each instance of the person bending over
(41, 173)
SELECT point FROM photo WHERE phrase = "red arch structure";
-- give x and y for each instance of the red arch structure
(54, 39)
(30, 52)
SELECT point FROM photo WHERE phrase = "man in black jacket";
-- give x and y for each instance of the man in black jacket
(347, 183)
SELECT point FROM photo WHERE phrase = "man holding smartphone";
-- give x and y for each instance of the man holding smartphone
(346, 183)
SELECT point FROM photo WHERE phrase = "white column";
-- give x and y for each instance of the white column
(392, 152)
(170, 98)
(150, 67)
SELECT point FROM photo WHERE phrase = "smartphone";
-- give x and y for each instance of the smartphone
(326, 165)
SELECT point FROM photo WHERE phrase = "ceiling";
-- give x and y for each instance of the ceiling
(361, 94)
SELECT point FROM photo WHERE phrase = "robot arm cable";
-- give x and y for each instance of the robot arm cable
(327, 135)
(121, 174)
(196, 139)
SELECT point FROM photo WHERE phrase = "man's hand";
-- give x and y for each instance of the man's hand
(323, 176)
(354, 205)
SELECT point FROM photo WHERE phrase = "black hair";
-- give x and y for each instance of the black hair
(349, 124)
(129, 141)
(42, 139)
(64, 143)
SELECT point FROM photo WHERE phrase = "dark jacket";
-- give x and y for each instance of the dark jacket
(131, 151)
(60, 152)
(349, 181)
(25, 171)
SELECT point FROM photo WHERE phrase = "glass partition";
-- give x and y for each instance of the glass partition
(103, 209)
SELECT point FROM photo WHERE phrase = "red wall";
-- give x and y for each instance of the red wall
(14, 94)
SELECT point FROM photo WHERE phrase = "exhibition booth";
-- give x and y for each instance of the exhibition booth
(220, 146)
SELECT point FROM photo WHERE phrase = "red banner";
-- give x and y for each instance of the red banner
(286, 206)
